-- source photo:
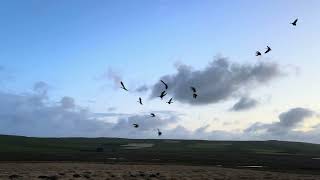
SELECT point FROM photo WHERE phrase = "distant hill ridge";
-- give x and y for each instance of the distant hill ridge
(271, 155)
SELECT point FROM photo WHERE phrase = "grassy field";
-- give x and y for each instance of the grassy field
(272, 155)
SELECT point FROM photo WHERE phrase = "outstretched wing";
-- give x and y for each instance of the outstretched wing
(164, 84)
(193, 89)
(295, 21)
(140, 100)
(268, 49)
(123, 87)
(163, 93)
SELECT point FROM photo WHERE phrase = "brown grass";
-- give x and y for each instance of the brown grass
(80, 171)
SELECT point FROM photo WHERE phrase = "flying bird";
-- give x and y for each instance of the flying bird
(122, 86)
(195, 95)
(268, 50)
(152, 115)
(258, 53)
(294, 23)
(136, 125)
(140, 101)
(163, 93)
(166, 85)
(193, 89)
(159, 132)
(170, 101)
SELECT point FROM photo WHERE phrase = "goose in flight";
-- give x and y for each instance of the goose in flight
(136, 125)
(166, 85)
(163, 93)
(140, 101)
(122, 86)
(170, 101)
(294, 23)
(152, 115)
(268, 50)
(258, 53)
(159, 132)
(193, 89)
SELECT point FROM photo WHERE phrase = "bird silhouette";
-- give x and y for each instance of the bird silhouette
(294, 23)
(166, 85)
(170, 101)
(123, 87)
(193, 89)
(195, 95)
(258, 53)
(140, 101)
(163, 93)
(159, 132)
(268, 50)
(136, 125)
(152, 115)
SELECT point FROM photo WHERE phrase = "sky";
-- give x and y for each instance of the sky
(61, 63)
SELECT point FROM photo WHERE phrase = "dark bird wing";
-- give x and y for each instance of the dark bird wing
(294, 22)
(153, 115)
(123, 87)
(268, 49)
(163, 93)
(165, 84)
(195, 95)
(140, 100)
(193, 89)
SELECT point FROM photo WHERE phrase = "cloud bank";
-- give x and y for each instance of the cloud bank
(219, 81)
(34, 114)
(287, 122)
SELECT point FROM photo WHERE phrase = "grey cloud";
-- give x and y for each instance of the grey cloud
(67, 102)
(146, 122)
(219, 81)
(109, 109)
(287, 122)
(34, 115)
(244, 103)
(109, 114)
(41, 87)
(142, 88)
(31, 115)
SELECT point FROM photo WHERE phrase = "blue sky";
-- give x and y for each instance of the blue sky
(70, 45)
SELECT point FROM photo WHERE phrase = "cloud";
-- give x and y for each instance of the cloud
(244, 103)
(67, 102)
(219, 81)
(287, 122)
(109, 109)
(34, 114)
(41, 87)
(146, 122)
(142, 88)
